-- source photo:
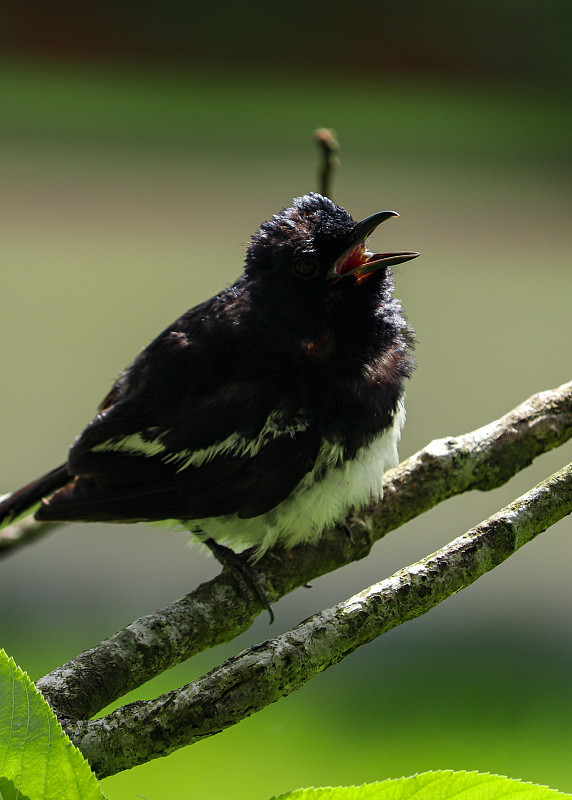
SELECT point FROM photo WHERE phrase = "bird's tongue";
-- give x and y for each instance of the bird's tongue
(360, 261)
(351, 260)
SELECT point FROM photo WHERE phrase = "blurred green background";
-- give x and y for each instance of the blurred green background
(140, 147)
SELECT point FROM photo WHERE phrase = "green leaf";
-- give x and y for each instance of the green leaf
(37, 760)
(439, 785)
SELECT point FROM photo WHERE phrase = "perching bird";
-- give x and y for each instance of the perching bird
(263, 415)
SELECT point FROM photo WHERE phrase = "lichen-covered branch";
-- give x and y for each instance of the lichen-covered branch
(483, 459)
(263, 674)
(219, 610)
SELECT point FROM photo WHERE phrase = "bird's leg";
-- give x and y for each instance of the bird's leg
(245, 573)
(348, 531)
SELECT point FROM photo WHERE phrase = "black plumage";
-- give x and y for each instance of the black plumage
(236, 416)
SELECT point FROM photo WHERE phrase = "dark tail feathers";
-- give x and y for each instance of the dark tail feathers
(26, 499)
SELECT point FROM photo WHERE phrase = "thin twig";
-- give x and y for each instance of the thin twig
(219, 610)
(263, 674)
(328, 144)
(25, 531)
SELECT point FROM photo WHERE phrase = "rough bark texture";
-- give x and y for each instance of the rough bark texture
(219, 610)
(261, 675)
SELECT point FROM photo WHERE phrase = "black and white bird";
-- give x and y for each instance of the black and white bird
(261, 416)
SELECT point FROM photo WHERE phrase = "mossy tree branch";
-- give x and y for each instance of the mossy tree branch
(262, 674)
(219, 610)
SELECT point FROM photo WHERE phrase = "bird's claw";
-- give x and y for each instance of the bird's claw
(243, 571)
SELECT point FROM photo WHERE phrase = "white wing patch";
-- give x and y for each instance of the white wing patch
(237, 445)
(134, 444)
(148, 443)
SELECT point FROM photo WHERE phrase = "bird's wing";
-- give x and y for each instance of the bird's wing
(127, 469)
(194, 427)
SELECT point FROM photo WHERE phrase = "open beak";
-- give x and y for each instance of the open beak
(357, 260)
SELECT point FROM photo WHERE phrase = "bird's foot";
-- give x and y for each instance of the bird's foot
(348, 531)
(245, 572)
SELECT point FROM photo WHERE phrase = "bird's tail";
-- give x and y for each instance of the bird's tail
(26, 500)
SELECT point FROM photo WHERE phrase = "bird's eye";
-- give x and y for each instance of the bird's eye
(306, 267)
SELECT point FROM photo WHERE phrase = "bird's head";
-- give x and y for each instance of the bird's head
(311, 277)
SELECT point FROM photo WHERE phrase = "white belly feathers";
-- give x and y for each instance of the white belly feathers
(345, 487)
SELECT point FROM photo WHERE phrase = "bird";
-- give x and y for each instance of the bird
(261, 416)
